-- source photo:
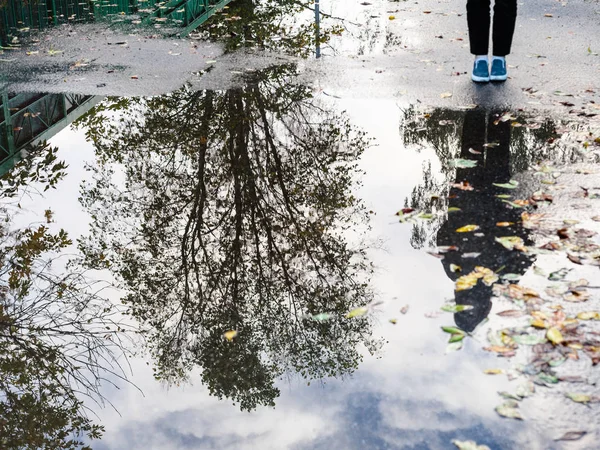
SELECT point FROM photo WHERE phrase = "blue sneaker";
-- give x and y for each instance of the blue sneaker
(480, 73)
(498, 70)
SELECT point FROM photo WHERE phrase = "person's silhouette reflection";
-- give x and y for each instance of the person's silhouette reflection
(482, 207)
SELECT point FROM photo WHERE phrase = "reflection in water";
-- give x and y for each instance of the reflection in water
(440, 131)
(227, 211)
(482, 207)
(58, 337)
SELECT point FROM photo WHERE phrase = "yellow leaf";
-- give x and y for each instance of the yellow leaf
(589, 315)
(467, 229)
(466, 282)
(493, 371)
(455, 268)
(229, 335)
(554, 336)
(446, 94)
(392, 17)
(394, 321)
(537, 323)
(357, 312)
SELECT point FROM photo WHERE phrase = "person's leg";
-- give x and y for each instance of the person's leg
(478, 20)
(505, 16)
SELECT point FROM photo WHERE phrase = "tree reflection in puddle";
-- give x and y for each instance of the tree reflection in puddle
(228, 211)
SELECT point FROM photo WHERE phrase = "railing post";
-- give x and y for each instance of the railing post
(318, 28)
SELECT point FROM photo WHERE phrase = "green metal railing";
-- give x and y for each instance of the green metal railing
(26, 119)
(20, 16)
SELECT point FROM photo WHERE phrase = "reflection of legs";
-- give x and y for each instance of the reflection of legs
(478, 20)
(497, 159)
(473, 137)
(505, 16)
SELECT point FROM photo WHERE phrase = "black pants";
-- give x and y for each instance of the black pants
(478, 18)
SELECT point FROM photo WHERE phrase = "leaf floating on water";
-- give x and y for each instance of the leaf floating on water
(509, 410)
(529, 339)
(511, 313)
(471, 255)
(454, 346)
(554, 336)
(512, 242)
(453, 209)
(559, 275)
(511, 276)
(579, 398)
(463, 186)
(572, 436)
(504, 224)
(492, 144)
(463, 163)
(512, 184)
(456, 308)
(229, 335)
(469, 445)
(467, 228)
(357, 312)
(454, 268)
(453, 330)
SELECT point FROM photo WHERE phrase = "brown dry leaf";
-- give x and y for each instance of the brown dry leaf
(498, 349)
(511, 313)
(463, 186)
(504, 224)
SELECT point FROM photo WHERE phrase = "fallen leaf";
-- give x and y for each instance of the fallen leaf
(512, 184)
(511, 242)
(579, 398)
(554, 336)
(404, 309)
(357, 312)
(454, 346)
(463, 163)
(589, 315)
(509, 410)
(446, 95)
(453, 330)
(456, 308)
(229, 335)
(511, 313)
(493, 371)
(454, 268)
(572, 436)
(504, 224)
(467, 229)
(469, 445)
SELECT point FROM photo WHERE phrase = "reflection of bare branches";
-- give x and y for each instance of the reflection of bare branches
(59, 338)
(236, 207)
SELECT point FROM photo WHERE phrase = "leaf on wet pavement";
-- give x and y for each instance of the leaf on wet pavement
(510, 410)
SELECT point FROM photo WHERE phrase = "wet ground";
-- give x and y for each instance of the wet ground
(364, 251)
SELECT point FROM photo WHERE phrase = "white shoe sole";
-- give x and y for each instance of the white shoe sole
(498, 77)
(477, 79)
